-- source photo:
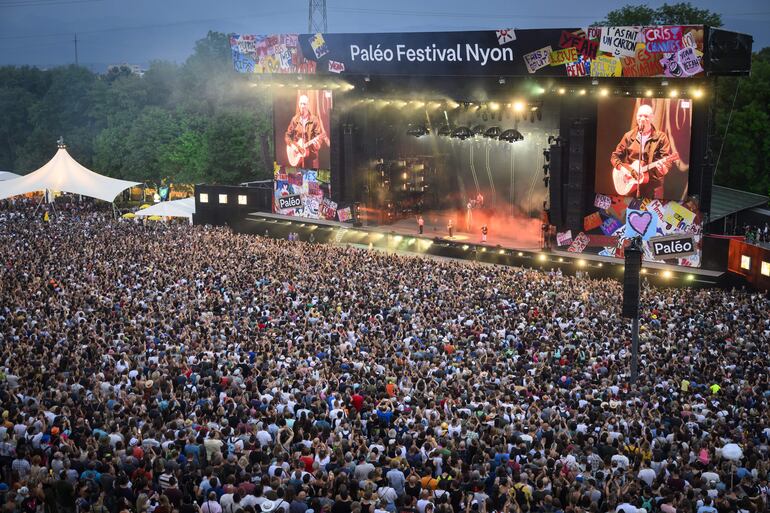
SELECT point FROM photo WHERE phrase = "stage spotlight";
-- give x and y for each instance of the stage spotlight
(581, 263)
(511, 135)
(462, 133)
(561, 259)
(520, 253)
(518, 106)
(465, 247)
(673, 93)
(494, 106)
(698, 93)
(562, 90)
(667, 274)
(648, 93)
(542, 257)
(493, 132)
(547, 154)
(582, 92)
(538, 90)
(604, 92)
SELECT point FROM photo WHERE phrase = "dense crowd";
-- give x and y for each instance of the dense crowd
(174, 368)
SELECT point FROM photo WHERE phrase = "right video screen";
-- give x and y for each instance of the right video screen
(643, 147)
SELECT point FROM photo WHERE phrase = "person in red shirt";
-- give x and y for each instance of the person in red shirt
(357, 400)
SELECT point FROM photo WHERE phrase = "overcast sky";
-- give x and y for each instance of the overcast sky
(41, 32)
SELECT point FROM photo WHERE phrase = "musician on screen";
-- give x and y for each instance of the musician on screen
(304, 137)
(642, 158)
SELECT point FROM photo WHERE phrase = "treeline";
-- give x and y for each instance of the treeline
(198, 122)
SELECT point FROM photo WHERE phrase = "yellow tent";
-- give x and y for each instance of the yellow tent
(154, 218)
(128, 215)
(146, 205)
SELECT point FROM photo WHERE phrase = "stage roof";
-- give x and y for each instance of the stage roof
(725, 201)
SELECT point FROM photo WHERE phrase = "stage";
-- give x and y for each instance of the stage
(403, 237)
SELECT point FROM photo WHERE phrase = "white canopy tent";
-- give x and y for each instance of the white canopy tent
(7, 175)
(177, 208)
(63, 173)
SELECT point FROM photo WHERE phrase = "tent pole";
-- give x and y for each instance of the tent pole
(42, 198)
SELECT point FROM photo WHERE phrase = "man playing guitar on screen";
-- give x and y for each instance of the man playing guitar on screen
(304, 137)
(641, 172)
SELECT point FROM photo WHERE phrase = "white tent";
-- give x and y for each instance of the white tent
(7, 175)
(63, 173)
(177, 208)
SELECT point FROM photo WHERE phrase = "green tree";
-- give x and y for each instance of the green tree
(232, 148)
(743, 163)
(682, 13)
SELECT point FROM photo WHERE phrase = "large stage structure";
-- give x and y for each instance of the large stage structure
(513, 139)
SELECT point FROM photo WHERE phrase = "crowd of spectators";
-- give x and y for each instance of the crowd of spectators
(165, 369)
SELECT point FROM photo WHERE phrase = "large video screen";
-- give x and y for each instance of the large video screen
(643, 147)
(301, 128)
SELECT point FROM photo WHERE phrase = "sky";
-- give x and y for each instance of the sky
(42, 32)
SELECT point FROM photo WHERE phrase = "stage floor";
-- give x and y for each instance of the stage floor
(524, 240)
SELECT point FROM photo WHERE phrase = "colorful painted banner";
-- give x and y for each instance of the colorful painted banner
(619, 41)
(605, 66)
(640, 224)
(344, 215)
(579, 244)
(602, 201)
(564, 238)
(564, 56)
(538, 59)
(592, 221)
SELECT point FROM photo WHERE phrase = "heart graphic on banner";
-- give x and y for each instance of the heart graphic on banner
(639, 222)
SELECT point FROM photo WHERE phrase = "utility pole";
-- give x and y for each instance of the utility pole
(316, 19)
(76, 48)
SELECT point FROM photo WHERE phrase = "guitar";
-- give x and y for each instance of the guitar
(628, 176)
(299, 150)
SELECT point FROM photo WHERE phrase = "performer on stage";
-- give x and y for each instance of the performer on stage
(450, 227)
(640, 147)
(420, 223)
(304, 137)
(484, 231)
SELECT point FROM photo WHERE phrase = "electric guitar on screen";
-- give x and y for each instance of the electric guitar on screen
(628, 176)
(300, 149)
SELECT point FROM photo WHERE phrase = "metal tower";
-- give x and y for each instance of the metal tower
(316, 18)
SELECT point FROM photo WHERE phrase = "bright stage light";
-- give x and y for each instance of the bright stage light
(605, 92)
(465, 247)
(502, 252)
(582, 92)
(648, 93)
(494, 106)
(698, 93)
(483, 250)
(690, 277)
(520, 253)
(581, 263)
(673, 93)
(542, 258)
(561, 259)
(562, 90)
(667, 274)
(518, 106)
(644, 271)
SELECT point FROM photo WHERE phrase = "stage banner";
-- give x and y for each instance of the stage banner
(573, 52)
(302, 193)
